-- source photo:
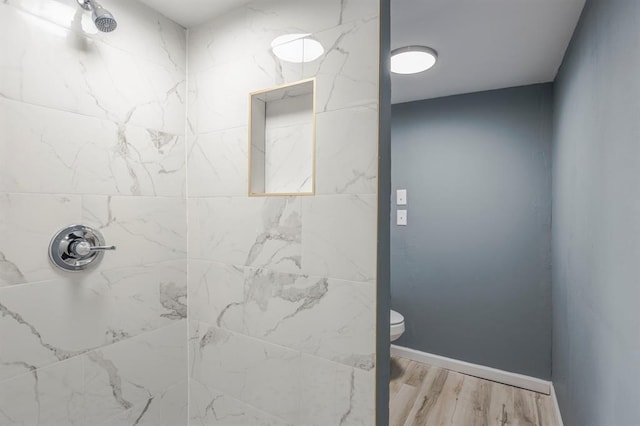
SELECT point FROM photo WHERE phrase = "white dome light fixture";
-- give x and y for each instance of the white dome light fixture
(412, 59)
(297, 48)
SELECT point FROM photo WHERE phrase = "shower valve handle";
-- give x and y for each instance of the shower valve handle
(83, 248)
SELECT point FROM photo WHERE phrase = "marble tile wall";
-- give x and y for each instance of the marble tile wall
(282, 289)
(280, 324)
(92, 131)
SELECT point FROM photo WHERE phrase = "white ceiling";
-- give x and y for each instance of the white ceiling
(190, 13)
(482, 44)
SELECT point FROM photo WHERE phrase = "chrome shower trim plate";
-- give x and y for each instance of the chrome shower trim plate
(76, 247)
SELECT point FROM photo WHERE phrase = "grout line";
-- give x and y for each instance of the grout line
(68, 275)
(360, 106)
(98, 348)
(297, 352)
(226, 395)
(370, 282)
(371, 195)
(79, 195)
(186, 206)
(86, 115)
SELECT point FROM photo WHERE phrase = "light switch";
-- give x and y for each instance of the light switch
(402, 218)
(401, 197)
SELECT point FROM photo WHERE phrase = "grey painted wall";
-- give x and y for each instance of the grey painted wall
(471, 273)
(596, 242)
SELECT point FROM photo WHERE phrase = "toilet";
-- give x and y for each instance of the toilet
(397, 325)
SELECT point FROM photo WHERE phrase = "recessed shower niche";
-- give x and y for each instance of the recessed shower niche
(282, 135)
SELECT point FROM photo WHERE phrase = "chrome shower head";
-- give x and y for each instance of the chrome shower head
(103, 19)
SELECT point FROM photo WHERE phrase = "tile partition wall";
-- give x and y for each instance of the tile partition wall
(92, 131)
(282, 289)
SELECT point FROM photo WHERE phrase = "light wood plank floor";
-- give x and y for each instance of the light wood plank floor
(424, 395)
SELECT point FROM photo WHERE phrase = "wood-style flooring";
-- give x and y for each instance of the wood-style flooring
(424, 395)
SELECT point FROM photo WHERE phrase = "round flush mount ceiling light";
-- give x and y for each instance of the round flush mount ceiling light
(296, 48)
(412, 59)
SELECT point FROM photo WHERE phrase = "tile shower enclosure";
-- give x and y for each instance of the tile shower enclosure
(217, 308)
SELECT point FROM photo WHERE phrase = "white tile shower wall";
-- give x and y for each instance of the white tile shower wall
(92, 131)
(208, 406)
(60, 67)
(56, 152)
(282, 289)
(289, 385)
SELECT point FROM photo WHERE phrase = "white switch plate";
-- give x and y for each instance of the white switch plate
(402, 218)
(401, 197)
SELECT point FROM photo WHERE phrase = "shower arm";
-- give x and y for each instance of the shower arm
(87, 4)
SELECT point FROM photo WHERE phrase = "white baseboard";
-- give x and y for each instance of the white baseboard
(487, 373)
(556, 406)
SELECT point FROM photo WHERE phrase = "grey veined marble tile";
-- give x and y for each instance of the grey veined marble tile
(347, 73)
(218, 163)
(130, 373)
(144, 229)
(53, 67)
(50, 396)
(319, 316)
(168, 408)
(77, 154)
(211, 407)
(260, 374)
(257, 231)
(295, 387)
(315, 315)
(339, 236)
(25, 233)
(141, 31)
(48, 322)
(218, 96)
(216, 294)
(347, 151)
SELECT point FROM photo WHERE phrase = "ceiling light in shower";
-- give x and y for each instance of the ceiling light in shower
(296, 48)
(412, 59)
